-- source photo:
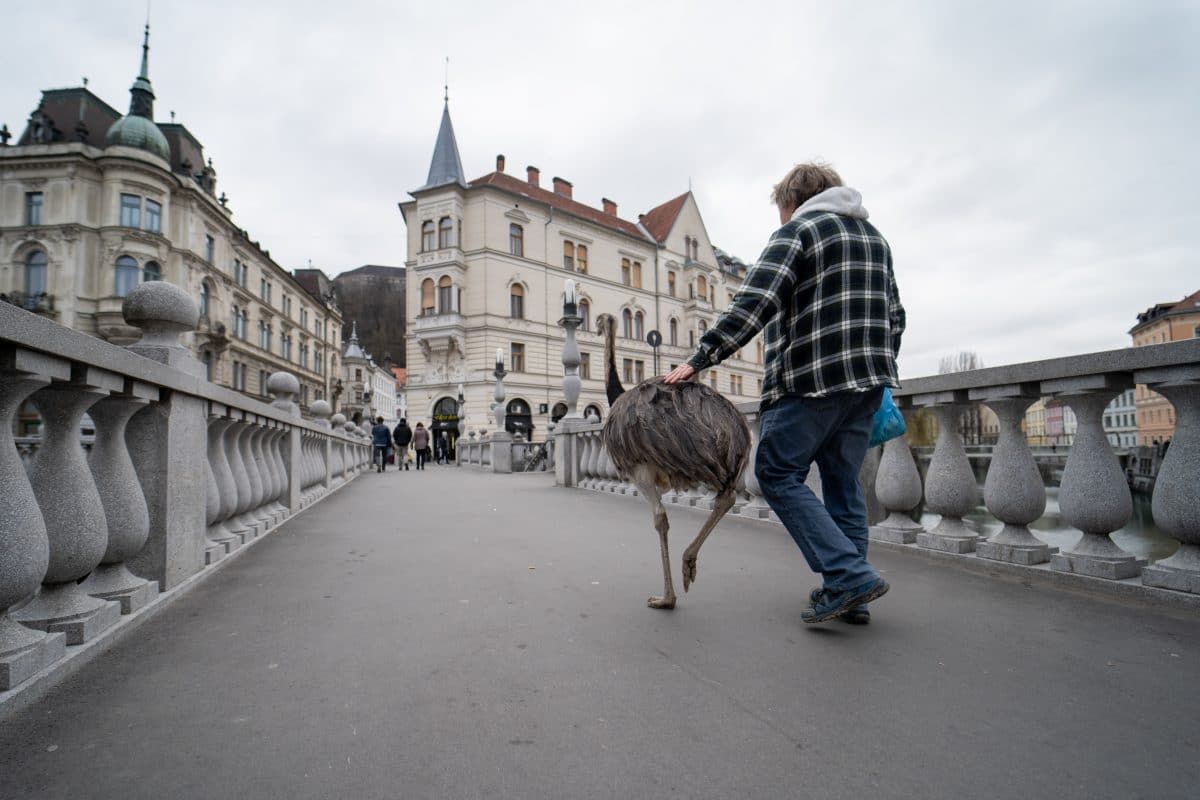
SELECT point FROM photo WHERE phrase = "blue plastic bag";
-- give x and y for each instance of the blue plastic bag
(888, 423)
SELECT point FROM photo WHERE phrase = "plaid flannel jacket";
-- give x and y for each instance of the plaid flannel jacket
(824, 290)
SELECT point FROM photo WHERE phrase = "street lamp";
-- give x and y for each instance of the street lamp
(570, 356)
(498, 396)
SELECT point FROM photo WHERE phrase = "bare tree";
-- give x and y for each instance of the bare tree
(963, 361)
(971, 423)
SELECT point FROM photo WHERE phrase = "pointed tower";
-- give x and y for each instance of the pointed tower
(137, 128)
(446, 167)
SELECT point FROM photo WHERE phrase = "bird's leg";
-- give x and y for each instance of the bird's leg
(649, 489)
(721, 505)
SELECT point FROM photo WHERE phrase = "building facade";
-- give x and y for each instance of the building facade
(93, 202)
(366, 390)
(1120, 420)
(487, 261)
(1164, 322)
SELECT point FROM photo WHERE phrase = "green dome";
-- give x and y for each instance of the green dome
(135, 131)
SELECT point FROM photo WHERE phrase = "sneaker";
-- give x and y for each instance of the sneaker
(859, 615)
(834, 604)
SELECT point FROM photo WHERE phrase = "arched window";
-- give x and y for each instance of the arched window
(674, 331)
(559, 411)
(518, 418)
(627, 324)
(427, 296)
(581, 256)
(516, 301)
(445, 295)
(152, 271)
(593, 411)
(445, 233)
(639, 326)
(35, 277)
(701, 287)
(585, 313)
(568, 255)
(128, 275)
(427, 234)
(205, 296)
(516, 239)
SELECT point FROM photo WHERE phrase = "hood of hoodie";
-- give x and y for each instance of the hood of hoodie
(838, 200)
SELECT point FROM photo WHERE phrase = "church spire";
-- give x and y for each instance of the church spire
(141, 101)
(446, 166)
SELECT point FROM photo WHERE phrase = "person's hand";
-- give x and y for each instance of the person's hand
(681, 373)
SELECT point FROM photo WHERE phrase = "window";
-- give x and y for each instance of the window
(673, 332)
(427, 296)
(703, 327)
(445, 295)
(585, 313)
(637, 274)
(427, 234)
(760, 385)
(735, 384)
(639, 325)
(318, 361)
(516, 302)
(304, 318)
(758, 351)
(285, 346)
(671, 283)
(626, 272)
(585, 366)
(627, 324)
(358, 375)
(445, 233)
(568, 255)
(701, 287)
(207, 358)
(712, 295)
(152, 271)
(210, 246)
(131, 211)
(304, 355)
(128, 276)
(518, 357)
(639, 371)
(581, 258)
(33, 208)
(691, 338)
(516, 239)
(627, 370)
(262, 382)
(712, 379)
(287, 306)
(205, 295)
(264, 334)
(153, 216)
(35, 277)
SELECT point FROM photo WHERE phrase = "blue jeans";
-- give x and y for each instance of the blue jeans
(832, 431)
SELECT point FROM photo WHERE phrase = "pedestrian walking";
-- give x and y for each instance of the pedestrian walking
(381, 442)
(824, 290)
(403, 436)
(443, 447)
(420, 443)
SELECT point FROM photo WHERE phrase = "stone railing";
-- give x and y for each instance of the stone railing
(180, 473)
(1094, 496)
(503, 454)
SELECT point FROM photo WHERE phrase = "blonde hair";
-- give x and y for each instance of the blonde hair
(802, 182)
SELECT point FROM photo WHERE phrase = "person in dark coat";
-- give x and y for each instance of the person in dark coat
(381, 442)
(403, 436)
(420, 443)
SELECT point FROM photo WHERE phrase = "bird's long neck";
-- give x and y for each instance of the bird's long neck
(612, 383)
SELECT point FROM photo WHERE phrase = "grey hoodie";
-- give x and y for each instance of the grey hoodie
(840, 200)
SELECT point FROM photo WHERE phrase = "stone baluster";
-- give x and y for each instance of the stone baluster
(262, 509)
(581, 448)
(125, 509)
(1013, 490)
(613, 478)
(321, 412)
(1094, 496)
(24, 545)
(898, 487)
(1176, 500)
(72, 509)
(950, 488)
(339, 469)
(756, 507)
(597, 461)
(222, 494)
(272, 445)
(238, 523)
(246, 443)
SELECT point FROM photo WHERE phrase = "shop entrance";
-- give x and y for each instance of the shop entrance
(443, 432)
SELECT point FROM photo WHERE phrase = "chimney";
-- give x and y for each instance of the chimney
(533, 173)
(562, 187)
(500, 163)
(610, 207)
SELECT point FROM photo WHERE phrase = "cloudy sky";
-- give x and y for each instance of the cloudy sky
(1032, 163)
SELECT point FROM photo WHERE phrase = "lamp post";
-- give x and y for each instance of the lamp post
(570, 355)
(462, 408)
(499, 372)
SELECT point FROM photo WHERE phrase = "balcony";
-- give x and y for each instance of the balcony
(39, 303)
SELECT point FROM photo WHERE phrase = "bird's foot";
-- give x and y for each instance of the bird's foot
(689, 571)
(661, 602)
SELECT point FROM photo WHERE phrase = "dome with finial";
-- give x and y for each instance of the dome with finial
(353, 350)
(137, 128)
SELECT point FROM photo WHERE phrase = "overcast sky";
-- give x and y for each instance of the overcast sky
(1032, 163)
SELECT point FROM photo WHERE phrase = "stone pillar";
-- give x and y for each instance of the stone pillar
(125, 508)
(1094, 496)
(950, 488)
(24, 545)
(1176, 501)
(1013, 490)
(898, 487)
(72, 509)
(167, 441)
(239, 523)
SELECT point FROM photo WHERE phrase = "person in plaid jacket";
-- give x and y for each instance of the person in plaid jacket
(824, 295)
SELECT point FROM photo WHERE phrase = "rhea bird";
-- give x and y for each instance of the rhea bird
(673, 436)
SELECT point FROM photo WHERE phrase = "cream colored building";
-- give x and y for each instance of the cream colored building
(486, 265)
(368, 390)
(93, 202)
(1165, 322)
(1035, 424)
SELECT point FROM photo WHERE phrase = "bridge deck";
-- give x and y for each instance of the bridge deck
(453, 634)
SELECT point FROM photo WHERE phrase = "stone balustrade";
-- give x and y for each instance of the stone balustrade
(503, 454)
(1094, 496)
(179, 474)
